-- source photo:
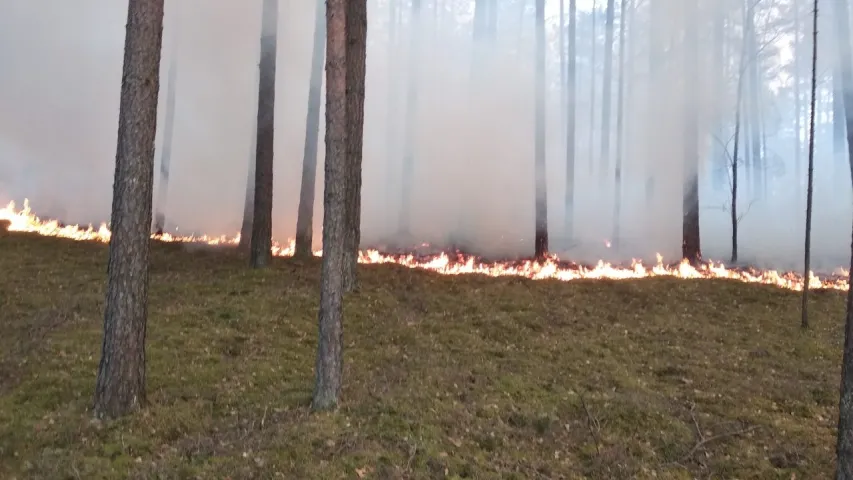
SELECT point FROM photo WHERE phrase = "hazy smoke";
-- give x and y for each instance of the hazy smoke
(474, 146)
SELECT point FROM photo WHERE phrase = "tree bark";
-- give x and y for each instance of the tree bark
(329, 368)
(305, 215)
(804, 322)
(607, 80)
(541, 207)
(571, 120)
(355, 75)
(120, 385)
(261, 241)
(690, 247)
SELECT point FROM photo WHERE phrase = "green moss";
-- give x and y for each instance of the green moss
(445, 377)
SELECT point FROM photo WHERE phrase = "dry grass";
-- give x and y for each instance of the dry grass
(445, 377)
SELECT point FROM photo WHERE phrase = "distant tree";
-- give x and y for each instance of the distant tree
(620, 125)
(607, 81)
(249, 199)
(804, 323)
(329, 369)
(844, 446)
(305, 215)
(120, 385)
(410, 136)
(571, 119)
(541, 206)
(690, 246)
(261, 241)
(166, 149)
(356, 57)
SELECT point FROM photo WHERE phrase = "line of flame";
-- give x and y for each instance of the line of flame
(24, 220)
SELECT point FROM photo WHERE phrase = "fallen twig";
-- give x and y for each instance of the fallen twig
(591, 422)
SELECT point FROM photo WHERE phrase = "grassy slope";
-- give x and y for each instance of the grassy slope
(445, 376)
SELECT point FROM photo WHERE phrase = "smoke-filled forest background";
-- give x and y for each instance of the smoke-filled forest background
(458, 96)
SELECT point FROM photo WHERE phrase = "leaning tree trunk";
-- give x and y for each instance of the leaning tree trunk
(305, 215)
(411, 118)
(690, 247)
(329, 368)
(620, 120)
(571, 120)
(541, 203)
(355, 75)
(120, 385)
(804, 322)
(844, 446)
(261, 241)
(607, 80)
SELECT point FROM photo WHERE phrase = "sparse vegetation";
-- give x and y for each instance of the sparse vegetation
(446, 377)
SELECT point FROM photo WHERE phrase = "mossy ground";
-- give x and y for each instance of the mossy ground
(445, 377)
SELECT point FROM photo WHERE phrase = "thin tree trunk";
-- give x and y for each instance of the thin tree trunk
(305, 215)
(120, 385)
(691, 248)
(620, 119)
(734, 167)
(249, 200)
(261, 241)
(411, 119)
(592, 83)
(541, 207)
(355, 72)
(571, 120)
(329, 368)
(168, 135)
(607, 80)
(804, 323)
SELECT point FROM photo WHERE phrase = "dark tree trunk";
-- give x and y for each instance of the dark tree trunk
(690, 247)
(411, 118)
(166, 153)
(607, 80)
(120, 385)
(329, 368)
(541, 208)
(355, 74)
(261, 241)
(734, 185)
(804, 322)
(844, 448)
(620, 114)
(571, 119)
(305, 215)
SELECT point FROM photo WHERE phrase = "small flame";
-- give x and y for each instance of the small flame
(552, 268)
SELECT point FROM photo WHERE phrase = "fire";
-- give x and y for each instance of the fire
(24, 220)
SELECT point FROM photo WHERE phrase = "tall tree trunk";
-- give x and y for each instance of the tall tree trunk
(571, 119)
(168, 135)
(411, 118)
(690, 248)
(305, 215)
(261, 241)
(620, 119)
(249, 199)
(607, 80)
(798, 167)
(844, 448)
(592, 83)
(541, 208)
(804, 322)
(120, 385)
(329, 368)
(356, 56)
(735, 166)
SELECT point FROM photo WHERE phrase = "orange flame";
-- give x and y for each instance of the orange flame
(25, 221)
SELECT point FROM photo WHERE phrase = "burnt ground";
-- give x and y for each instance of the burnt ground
(445, 377)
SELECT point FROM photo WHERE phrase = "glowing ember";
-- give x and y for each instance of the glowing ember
(25, 221)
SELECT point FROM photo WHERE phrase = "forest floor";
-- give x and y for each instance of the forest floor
(445, 377)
